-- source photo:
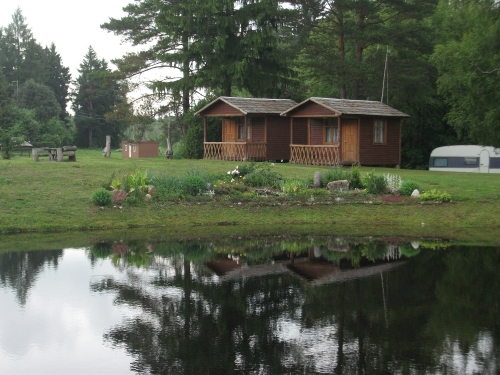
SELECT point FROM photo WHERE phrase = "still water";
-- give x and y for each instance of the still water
(258, 306)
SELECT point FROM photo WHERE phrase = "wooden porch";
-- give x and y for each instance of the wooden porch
(314, 155)
(235, 151)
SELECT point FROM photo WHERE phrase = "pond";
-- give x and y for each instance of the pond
(278, 305)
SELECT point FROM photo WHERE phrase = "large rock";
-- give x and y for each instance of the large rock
(415, 194)
(340, 185)
(317, 179)
(119, 196)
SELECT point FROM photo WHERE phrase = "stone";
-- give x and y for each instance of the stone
(151, 190)
(147, 198)
(210, 187)
(339, 185)
(317, 179)
(415, 194)
(119, 196)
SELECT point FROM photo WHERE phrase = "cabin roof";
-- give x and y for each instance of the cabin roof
(352, 107)
(253, 105)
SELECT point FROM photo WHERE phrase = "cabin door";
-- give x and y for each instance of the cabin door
(349, 134)
(129, 150)
(229, 132)
(484, 161)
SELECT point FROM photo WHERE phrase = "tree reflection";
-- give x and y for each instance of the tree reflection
(191, 322)
(19, 270)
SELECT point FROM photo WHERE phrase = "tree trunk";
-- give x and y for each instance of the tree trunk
(341, 47)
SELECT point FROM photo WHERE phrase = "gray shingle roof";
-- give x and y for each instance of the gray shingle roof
(354, 107)
(255, 105)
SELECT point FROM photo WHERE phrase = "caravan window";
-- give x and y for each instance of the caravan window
(440, 162)
(470, 161)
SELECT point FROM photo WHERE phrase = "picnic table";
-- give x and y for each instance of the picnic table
(55, 153)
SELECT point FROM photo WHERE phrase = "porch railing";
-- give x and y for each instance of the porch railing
(235, 151)
(314, 155)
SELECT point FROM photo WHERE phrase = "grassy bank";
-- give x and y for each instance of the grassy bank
(55, 197)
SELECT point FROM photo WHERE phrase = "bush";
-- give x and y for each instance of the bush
(355, 178)
(407, 187)
(102, 197)
(393, 182)
(294, 186)
(435, 196)
(374, 184)
(194, 185)
(335, 174)
(262, 176)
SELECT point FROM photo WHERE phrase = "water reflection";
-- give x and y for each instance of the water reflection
(294, 306)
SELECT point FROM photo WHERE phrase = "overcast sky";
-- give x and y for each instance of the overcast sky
(72, 26)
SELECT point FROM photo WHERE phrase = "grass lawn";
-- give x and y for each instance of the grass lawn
(56, 197)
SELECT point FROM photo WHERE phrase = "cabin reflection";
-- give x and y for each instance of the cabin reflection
(343, 261)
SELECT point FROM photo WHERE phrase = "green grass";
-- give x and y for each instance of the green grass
(56, 197)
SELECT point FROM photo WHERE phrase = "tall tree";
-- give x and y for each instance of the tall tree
(166, 28)
(39, 98)
(97, 92)
(58, 78)
(242, 46)
(468, 60)
(348, 42)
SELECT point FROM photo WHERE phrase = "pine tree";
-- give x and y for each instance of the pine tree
(97, 92)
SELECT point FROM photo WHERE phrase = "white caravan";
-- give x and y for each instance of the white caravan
(467, 158)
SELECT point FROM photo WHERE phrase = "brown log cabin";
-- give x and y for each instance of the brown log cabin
(252, 129)
(327, 131)
(318, 131)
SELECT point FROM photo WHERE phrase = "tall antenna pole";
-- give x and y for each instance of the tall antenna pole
(384, 79)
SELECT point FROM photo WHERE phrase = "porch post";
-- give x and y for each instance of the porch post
(340, 140)
(204, 129)
(245, 137)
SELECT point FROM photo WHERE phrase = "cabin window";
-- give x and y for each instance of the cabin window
(379, 132)
(440, 162)
(241, 129)
(126, 147)
(470, 161)
(331, 130)
(135, 147)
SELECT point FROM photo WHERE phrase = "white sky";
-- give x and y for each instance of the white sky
(72, 26)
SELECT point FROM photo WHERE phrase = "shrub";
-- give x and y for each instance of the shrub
(102, 197)
(435, 196)
(335, 174)
(294, 186)
(407, 187)
(393, 182)
(262, 176)
(355, 178)
(247, 168)
(374, 184)
(193, 185)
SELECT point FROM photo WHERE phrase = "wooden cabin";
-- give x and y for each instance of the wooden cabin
(252, 129)
(143, 149)
(325, 131)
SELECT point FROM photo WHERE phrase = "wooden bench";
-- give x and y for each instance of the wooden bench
(55, 154)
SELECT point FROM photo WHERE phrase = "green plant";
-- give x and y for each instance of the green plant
(335, 174)
(135, 184)
(374, 184)
(102, 197)
(355, 178)
(407, 187)
(294, 186)
(193, 185)
(393, 182)
(262, 176)
(435, 196)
